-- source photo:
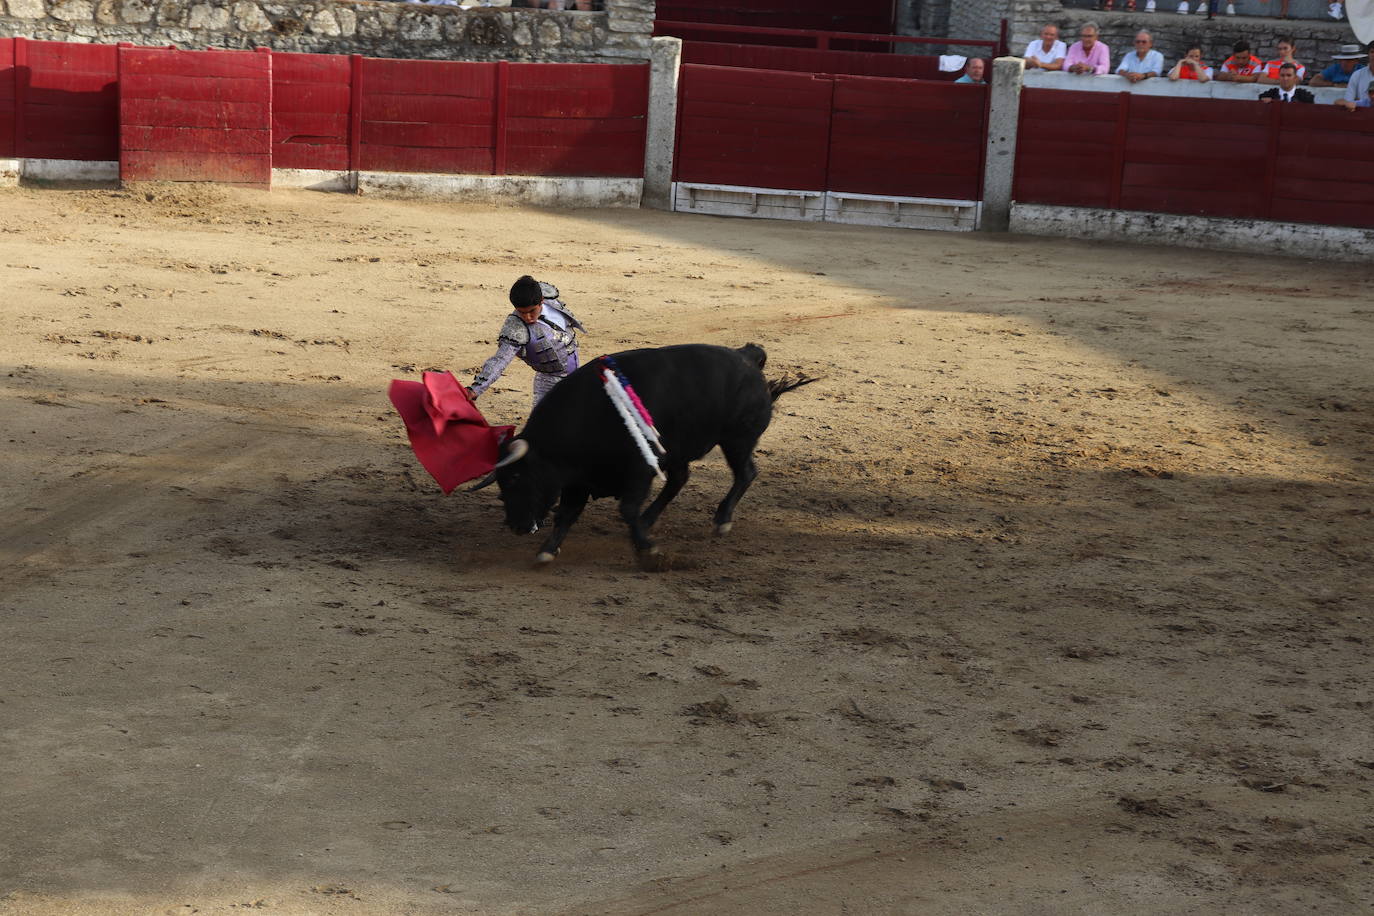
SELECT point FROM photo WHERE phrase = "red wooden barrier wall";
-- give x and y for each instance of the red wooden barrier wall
(311, 95)
(1322, 170)
(573, 119)
(1206, 157)
(806, 132)
(1201, 157)
(195, 116)
(7, 85)
(232, 116)
(758, 128)
(1065, 148)
(70, 98)
(427, 116)
(503, 118)
(908, 138)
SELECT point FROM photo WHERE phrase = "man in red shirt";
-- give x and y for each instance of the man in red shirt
(1240, 67)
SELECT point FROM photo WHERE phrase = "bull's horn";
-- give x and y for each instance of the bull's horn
(484, 482)
(518, 449)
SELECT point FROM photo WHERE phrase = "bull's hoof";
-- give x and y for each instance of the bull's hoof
(543, 558)
(653, 560)
(724, 528)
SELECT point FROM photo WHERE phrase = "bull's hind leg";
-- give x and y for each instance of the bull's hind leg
(677, 479)
(570, 505)
(739, 454)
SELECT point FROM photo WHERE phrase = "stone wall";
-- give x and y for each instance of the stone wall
(977, 19)
(377, 29)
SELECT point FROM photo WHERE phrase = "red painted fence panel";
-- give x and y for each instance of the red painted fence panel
(808, 132)
(1322, 172)
(1204, 157)
(576, 119)
(1064, 148)
(757, 128)
(310, 107)
(69, 94)
(8, 78)
(195, 116)
(428, 116)
(908, 138)
(1196, 156)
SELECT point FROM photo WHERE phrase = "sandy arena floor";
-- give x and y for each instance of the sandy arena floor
(1053, 597)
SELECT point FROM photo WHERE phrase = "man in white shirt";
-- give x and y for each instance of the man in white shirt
(1360, 81)
(1047, 52)
(1144, 62)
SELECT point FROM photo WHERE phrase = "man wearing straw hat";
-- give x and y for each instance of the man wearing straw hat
(1343, 64)
(1358, 88)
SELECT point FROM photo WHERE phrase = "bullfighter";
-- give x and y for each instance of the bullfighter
(542, 331)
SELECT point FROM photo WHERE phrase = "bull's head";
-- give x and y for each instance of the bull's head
(529, 486)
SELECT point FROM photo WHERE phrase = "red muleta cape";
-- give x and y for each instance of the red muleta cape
(448, 433)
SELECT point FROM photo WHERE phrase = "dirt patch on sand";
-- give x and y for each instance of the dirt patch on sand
(1052, 597)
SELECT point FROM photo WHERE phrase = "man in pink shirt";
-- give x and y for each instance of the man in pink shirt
(1088, 55)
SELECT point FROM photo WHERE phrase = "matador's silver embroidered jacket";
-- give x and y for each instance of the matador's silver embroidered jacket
(549, 346)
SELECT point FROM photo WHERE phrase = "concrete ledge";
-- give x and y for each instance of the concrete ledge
(315, 180)
(1327, 243)
(1163, 86)
(9, 173)
(68, 170)
(544, 192)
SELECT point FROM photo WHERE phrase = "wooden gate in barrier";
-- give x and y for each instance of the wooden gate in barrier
(879, 144)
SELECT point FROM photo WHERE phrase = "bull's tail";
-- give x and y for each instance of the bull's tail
(777, 387)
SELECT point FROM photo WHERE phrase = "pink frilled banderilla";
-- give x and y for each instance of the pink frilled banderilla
(450, 436)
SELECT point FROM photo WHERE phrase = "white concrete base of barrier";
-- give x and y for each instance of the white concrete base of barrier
(9, 173)
(1331, 243)
(902, 212)
(315, 180)
(544, 192)
(59, 170)
(826, 206)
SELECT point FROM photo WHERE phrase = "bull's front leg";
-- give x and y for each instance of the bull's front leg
(631, 510)
(570, 506)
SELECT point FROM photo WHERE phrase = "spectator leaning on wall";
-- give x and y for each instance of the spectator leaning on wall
(1343, 64)
(1357, 90)
(1191, 67)
(1241, 66)
(1288, 89)
(1088, 55)
(1269, 74)
(1046, 52)
(1142, 63)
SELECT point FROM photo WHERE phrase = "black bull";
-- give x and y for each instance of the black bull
(575, 446)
